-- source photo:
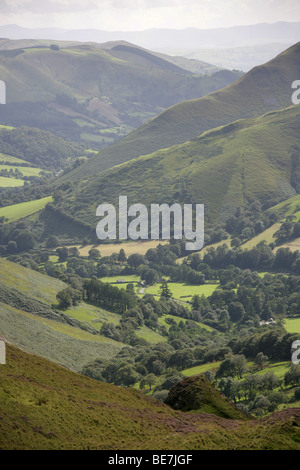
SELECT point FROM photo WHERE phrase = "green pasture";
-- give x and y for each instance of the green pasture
(23, 209)
(182, 291)
(10, 182)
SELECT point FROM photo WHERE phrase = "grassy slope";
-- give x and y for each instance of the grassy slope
(212, 366)
(66, 345)
(266, 235)
(264, 88)
(85, 71)
(10, 182)
(44, 406)
(291, 207)
(95, 317)
(63, 344)
(36, 64)
(163, 320)
(26, 171)
(37, 285)
(9, 159)
(288, 208)
(292, 325)
(24, 209)
(221, 168)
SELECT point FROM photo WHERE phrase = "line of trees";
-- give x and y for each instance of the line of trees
(107, 295)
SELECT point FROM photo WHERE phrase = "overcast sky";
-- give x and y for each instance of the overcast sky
(134, 15)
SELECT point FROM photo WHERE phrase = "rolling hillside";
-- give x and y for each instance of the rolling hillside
(71, 337)
(264, 88)
(251, 159)
(44, 406)
(77, 89)
(28, 321)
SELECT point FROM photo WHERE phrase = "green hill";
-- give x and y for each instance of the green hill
(77, 89)
(37, 285)
(44, 406)
(224, 168)
(264, 88)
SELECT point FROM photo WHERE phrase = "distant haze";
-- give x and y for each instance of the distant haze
(158, 39)
(237, 47)
(133, 15)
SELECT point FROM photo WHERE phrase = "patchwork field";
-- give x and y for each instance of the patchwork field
(183, 291)
(10, 182)
(108, 249)
(92, 315)
(266, 235)
(24, 209)
(292, 325)
(279, 369)
(127, 278)
(25, 170)
(288, 208)
(213, 366)
(14, 171)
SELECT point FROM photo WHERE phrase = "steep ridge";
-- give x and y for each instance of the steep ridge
(264, 88)
(227, 167)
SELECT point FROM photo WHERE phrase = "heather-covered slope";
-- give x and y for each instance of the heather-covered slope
(44, 406)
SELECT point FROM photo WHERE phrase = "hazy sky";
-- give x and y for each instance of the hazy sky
(133, 15)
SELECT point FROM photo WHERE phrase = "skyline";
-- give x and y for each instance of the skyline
(139, 15)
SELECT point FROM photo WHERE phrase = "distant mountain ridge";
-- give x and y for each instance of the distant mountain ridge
(263, 33)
